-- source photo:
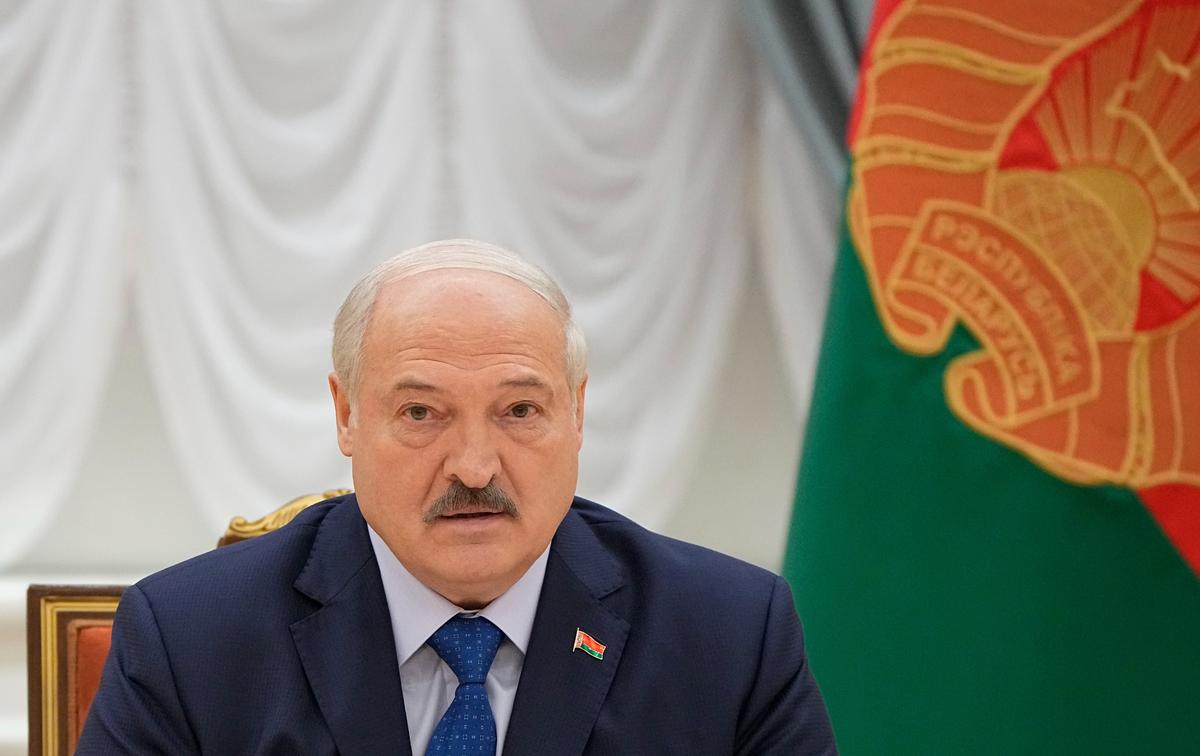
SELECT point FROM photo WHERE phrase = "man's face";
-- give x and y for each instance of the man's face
(462, 381)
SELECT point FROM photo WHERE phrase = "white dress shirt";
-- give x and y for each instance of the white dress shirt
(428, 682)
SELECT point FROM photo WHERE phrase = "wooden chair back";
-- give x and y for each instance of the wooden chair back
(69, 631)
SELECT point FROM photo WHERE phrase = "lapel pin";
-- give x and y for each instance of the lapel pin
(589, 644)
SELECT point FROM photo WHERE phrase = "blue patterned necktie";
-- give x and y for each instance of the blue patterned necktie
(467, 645)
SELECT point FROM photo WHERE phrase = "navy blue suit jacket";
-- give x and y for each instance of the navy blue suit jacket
(283, 645)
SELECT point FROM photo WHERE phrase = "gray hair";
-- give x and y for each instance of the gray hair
(354, 315)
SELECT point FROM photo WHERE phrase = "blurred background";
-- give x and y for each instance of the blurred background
(188, 189)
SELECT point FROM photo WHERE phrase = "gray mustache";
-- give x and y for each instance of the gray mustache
(459, 498)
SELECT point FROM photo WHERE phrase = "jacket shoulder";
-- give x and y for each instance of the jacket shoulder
(242, 573)
(655, 562)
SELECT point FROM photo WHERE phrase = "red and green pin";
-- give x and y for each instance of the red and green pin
(588, 644)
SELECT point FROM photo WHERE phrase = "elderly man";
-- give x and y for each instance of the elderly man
(463, 600)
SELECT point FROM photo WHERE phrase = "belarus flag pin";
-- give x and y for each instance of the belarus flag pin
(588, 644)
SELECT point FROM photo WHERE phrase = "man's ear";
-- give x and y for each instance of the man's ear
(341, 412)
(579, 396)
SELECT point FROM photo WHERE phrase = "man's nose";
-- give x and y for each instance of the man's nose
(473, 459)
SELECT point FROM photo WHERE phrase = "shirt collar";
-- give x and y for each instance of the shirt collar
(417, 611)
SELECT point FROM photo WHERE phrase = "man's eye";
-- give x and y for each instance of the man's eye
(523, 410)
(417, 413)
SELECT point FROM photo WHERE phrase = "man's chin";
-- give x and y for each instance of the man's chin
(475, 574)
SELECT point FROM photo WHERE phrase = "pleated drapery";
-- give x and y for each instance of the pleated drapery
(62, 272)
(266, 154)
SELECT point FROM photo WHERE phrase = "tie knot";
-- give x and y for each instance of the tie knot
(467, 645)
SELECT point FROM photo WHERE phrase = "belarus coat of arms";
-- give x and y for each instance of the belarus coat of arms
(1031, 170)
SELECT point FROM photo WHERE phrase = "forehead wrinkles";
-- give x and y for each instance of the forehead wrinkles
(514, 368)
(459, 317)
(489, 342)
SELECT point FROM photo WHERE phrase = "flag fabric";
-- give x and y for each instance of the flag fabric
(996, 539)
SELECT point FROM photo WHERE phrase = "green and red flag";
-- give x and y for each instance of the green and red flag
(996, 539)
(588, 644)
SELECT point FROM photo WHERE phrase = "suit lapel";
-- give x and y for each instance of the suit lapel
(346, 646)
(561, 690)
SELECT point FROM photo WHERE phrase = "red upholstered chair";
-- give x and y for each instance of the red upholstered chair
(69, 630)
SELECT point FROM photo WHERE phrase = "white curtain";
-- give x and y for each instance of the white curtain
(288, 146)
(797, 227)
(280, 149)
(608, 141)
(61, 272)
(285, 148)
